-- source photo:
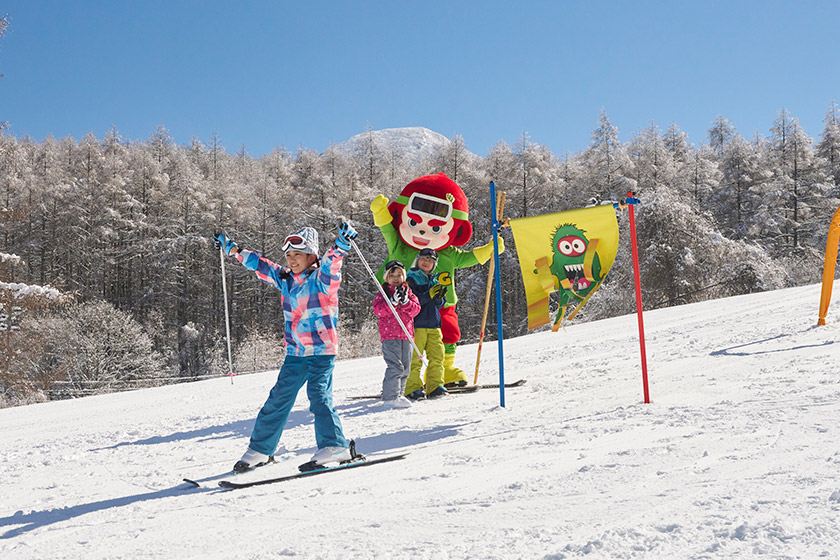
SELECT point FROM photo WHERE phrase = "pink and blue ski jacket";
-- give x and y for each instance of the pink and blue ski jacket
(310, 301)
(389, 328)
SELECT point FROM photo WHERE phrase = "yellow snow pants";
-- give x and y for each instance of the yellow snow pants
(430, 342)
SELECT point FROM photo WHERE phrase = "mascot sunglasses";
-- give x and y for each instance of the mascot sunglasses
(426, 205)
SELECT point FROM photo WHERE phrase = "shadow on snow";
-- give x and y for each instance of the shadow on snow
(24, 523)
(731, 350)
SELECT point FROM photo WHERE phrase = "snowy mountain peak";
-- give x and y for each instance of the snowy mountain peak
(414, 144)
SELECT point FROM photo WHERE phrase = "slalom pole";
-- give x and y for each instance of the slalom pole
(227, 316)
(631, 202)
(390, 305)
(828, 268)
(499, 326)
(490, 274)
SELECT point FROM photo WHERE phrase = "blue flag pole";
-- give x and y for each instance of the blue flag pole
(497, 282)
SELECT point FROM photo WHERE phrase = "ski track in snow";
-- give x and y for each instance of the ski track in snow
(738, 455)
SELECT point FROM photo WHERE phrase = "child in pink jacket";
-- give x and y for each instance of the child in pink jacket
(396, 346)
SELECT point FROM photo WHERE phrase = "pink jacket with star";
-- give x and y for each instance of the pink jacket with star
(389, 328)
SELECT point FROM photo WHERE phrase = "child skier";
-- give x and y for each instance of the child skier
(309, 291)
(427, 334)
(396, 346)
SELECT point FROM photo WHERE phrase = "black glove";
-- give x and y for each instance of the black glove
(284, 273)
(401, 295)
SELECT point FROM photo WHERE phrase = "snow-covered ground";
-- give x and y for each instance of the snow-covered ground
(738, 455)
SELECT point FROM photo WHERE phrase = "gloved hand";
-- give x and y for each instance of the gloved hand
(484, 252)
(438, 291)
(346, 233)
(221, 240)
(284, 273)
(400, 295)
(379, 207)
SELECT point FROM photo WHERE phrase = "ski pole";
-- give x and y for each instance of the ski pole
(502, 197)
(227, 316)
(390, 305)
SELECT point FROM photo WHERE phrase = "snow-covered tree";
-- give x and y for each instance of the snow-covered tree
(453, 158)
(608, 161)
(652, 162)
(739, 195)
(797, 179)
(259, 350)
(87, 349)
(703, 175)
(828, 147)
(720, 133)
(201, 353)
(685, 259)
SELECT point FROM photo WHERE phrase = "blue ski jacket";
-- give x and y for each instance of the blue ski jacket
(420, 283)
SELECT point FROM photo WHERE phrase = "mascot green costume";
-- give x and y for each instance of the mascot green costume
(432, 211)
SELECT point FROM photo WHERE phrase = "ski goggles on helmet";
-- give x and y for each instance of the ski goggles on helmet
(294, 243)
(428, 253)
(394, 264)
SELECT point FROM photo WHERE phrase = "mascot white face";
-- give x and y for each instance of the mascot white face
(426, 222)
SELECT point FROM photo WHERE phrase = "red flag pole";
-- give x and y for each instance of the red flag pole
(631, 202)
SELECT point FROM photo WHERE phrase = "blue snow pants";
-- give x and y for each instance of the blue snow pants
(316, 372)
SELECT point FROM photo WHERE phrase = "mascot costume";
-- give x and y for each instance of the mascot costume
(432, 212)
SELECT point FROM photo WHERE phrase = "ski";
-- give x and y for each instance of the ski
(364, 397)
(466, 389)
(496, 385)
(453, 390)
(359, 461)
(272, 461)
(463, 389)
(474, 388)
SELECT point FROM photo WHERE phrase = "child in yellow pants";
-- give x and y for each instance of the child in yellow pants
(427, 335)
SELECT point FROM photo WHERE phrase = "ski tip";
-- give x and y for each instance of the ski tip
(463, 389)
(193, 482)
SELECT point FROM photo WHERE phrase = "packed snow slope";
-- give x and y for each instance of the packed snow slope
(738, 455)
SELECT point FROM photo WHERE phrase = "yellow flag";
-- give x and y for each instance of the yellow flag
(570, 252)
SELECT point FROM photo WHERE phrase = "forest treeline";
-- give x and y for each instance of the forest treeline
(122, 230)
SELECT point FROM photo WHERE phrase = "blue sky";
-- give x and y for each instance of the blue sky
(272, 73)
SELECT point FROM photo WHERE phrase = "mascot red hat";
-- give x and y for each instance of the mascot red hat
(436, 196)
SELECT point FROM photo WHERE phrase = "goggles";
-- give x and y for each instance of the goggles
(394, 264)
(294, 242)
(428, 253)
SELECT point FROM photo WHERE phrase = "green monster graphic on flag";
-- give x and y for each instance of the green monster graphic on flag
(570, 252)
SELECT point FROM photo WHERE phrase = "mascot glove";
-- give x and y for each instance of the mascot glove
(484, 252)
(379, 207)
